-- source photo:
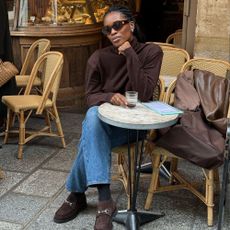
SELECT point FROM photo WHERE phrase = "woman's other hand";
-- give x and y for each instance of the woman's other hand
(118, 99)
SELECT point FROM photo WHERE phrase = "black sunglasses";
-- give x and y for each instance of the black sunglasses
(117, 25)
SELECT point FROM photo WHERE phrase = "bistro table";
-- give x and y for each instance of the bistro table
(138, 118)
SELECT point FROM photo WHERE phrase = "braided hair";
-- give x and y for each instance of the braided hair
(129, 16)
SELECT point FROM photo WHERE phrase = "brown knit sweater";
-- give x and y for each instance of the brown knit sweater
(108, 72)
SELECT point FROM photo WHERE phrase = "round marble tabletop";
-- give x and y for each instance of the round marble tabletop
(139, 117)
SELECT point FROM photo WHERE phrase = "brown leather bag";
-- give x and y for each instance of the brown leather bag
(199, 135)
(7, 71)
(194, 140)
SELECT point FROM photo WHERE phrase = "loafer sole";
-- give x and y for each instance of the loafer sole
(60, 221)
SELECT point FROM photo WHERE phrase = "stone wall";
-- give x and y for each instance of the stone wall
(212, 39)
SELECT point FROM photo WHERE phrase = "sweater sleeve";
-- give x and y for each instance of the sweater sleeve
(94, 84)
(144, 74)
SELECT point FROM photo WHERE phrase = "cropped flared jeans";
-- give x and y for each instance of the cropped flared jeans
(93, 162)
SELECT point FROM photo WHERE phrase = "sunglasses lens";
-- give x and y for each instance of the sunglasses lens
(117, 25)
(106, 30)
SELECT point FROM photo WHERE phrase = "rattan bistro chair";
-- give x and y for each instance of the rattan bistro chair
(121, 151)
(216, 66)
(23, 105)
(38, 48)
(162, 44)
(159, 155)
(173, 60)
(175, 38)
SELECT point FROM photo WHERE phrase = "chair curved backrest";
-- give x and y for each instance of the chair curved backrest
(159, 91)
(53, 62)
(169, 95)
(173, 60)
(175, 38)
(216, 66)
(162, 44)
(38, 48)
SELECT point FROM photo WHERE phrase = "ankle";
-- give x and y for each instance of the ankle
(73, 196)
(104, 193)
(78, 193)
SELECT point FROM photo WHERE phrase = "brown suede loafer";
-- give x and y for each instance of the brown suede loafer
(70, 208)
(105, 212)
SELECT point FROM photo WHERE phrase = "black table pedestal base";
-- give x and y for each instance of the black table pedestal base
(132, 220)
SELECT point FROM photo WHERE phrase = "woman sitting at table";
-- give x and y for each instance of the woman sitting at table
(125, 65)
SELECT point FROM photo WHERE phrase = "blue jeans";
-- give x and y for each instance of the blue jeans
(93, 162)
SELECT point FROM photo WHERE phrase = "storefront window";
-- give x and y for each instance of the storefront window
(63, 12)
(11, 10)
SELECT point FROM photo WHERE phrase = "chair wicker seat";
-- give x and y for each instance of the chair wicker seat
(24, 102)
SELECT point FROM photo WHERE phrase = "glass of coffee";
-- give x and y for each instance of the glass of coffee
(132, 98)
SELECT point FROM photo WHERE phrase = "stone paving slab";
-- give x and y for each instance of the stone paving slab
(201, 217)
(12, 179)
(63, 160)
(20, 209)
(72, 122)
(44, 183)
(38, 181)
(32, 158)
(9, 226)
(84, 221)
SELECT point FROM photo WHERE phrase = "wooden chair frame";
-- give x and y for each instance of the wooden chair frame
(216, 66)
(42, 104)
(159, 155)
(175, 38)
(161, 44)
(173, 60)
(38, 48)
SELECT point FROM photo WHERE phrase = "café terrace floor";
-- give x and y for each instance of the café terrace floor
(34, 188)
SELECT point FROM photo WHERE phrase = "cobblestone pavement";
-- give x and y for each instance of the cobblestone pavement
(33, 188)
